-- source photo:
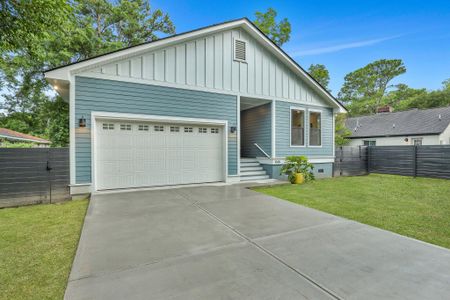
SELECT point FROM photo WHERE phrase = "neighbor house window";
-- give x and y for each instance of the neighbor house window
(370, 143)
(315, 128)
(417, 142)
(297, 127)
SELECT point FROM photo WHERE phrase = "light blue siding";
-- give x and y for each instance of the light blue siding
(125, 97)
(256, 127)
(283, 147)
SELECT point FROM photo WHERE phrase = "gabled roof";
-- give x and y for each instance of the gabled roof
(63, 73)
(18, 136)
(409, 122)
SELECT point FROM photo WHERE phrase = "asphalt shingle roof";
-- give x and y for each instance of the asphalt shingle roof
(410, 122)
(14, 135)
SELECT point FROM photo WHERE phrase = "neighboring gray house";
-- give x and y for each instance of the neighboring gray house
(410, 127)
(186, 108)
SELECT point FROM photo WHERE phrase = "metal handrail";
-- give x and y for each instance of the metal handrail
(260, 149)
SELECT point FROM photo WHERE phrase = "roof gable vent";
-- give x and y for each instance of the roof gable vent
(240, 50)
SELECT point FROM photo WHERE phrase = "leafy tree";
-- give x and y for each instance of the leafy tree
(341, 131)
(446, 84)
(320, 74)
(279, 32)
(125, 23)
(437, 98)
(364, 89)
(40, 34)
(135, 22)
(403, 96)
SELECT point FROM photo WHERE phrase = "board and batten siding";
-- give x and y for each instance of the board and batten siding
(282, 129)
(125, 97)
(256, 127)
(207, 62)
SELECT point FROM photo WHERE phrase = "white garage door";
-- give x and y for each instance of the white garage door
(139, 154)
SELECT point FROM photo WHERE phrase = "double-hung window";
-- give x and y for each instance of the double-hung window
(297, 127)
(315, 128)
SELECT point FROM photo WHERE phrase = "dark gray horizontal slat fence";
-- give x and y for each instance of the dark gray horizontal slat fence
(398, 160)
(350, 161)
(433, 161)
(422, 161)
(33, 175)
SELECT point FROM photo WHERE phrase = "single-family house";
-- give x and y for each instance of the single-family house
(220, 103)
(410, 127)
(11, 136)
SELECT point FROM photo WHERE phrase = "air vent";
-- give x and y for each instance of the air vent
(240, 51)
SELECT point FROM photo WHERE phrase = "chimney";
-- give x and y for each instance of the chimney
(384, 109)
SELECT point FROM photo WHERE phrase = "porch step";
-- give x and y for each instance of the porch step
(249, 178)
(248, 160)
(251, 170)
(249, 164)
(252, 173)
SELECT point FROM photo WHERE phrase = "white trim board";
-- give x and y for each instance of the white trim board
(64, 73)
(304, 126)
(310, 110)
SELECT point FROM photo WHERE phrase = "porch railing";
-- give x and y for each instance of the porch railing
(260, 149)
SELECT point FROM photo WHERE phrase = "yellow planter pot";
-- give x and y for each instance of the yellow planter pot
(299, 178)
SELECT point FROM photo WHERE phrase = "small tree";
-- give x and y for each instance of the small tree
(341, 131)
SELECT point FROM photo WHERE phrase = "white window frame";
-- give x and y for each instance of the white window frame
(309, 128)
(304, 126)
(234, 50)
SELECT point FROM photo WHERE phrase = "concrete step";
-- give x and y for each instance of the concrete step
(247, 160)
(253, 173)
(249, 164)
(254, 178)
(246, 169)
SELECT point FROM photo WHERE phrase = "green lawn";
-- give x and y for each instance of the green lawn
(415, 207)
(37, 246)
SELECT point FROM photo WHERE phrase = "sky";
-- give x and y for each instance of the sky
(345, 35)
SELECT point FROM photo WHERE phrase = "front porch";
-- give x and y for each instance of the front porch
(255, 137)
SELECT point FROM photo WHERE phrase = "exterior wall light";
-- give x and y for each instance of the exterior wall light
(233, 129)
(82, 122)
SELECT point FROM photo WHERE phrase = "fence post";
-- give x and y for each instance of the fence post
(415, 161)
(369, 158)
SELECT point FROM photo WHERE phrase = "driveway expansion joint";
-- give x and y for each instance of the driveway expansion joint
(269, 253)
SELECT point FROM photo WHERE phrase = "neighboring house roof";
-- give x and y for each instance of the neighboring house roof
(63, 73)
(17, 136)
(409, 122)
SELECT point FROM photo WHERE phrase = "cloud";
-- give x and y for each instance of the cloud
(335, 48)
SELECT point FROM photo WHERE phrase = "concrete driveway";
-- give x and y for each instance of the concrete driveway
(227, 242)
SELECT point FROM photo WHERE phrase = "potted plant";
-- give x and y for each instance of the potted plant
(298, 169)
